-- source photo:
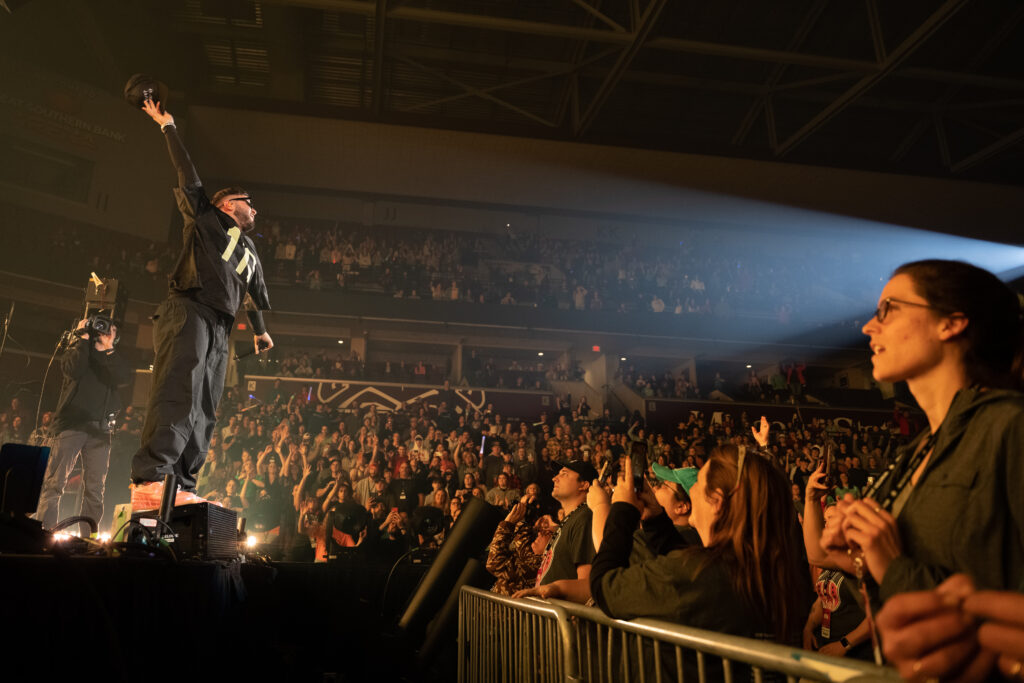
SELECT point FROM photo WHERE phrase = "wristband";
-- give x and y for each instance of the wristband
(844, 642)
(164, 126)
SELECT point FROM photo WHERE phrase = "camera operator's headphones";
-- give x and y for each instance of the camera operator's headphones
(99, 324)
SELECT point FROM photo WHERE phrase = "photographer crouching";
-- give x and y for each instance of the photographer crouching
(84, 418)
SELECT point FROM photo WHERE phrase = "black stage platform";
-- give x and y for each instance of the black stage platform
(154, 619)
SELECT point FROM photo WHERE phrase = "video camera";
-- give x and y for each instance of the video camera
(97, 325)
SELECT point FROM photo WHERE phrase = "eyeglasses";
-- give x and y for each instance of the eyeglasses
(886, 305)
(247, 200)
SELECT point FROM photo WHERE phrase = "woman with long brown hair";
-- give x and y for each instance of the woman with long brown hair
(748, 578)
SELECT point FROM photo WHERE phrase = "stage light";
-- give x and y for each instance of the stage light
(104, 537)
(749, 366)
(595, 348)
(341, 341)
(622, 359)
(540, 353)
(61, 536)
(251, 541)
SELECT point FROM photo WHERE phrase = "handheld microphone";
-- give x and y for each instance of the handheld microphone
(251, 350)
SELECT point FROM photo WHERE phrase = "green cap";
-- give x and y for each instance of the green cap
(684, 476)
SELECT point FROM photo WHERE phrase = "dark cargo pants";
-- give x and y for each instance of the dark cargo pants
(190, 341)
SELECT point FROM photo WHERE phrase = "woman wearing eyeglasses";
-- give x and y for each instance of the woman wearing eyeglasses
(954, 499)
(748, 578)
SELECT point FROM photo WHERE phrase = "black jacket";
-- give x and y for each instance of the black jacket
(90, 390)
(218, 265)
(966, 513)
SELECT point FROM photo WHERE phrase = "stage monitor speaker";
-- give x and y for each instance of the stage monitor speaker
(202, 531)
(441, 630)
(22, 468)
(470, 535)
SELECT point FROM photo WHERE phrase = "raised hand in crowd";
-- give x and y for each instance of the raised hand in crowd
(814, 528)
(761, 432)
(599, 502)
(517, 513)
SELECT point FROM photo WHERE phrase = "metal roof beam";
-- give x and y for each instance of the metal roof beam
(593, 11)
(550, 30)
(942, 104)
(643, 31)
(380, 19)
(568, 101)
(897, 57)
(806, 25)
(984, 154)
(475, 91)
(877, 38)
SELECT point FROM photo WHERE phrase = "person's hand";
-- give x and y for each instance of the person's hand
(926, 634)
(873, 530)
(835, 649)
(761, 433)
(546, 591)
(809, 643)
(597, 495)
(1003, 631)
(104, 342)
(516, 514)
(624, 492)
(651, 506)
(262, 342)
(833, 538)
(153, 109)
(816, 487)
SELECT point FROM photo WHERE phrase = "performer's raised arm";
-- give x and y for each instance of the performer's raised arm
(187, 175)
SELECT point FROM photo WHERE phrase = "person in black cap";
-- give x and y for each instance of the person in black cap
(216, 272)
(565, 569)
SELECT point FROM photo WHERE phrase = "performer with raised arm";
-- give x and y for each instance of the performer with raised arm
(216, 272)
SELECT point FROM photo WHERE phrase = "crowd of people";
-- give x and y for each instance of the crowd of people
(321, 364)
(787, 383)
(931, 529)
(696, 276)
(478, 370)
(804, 532)
(928, 527)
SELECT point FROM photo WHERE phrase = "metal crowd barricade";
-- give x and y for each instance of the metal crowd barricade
(503, 641)
(514, 641)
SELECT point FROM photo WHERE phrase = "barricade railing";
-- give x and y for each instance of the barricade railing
(514, 641)
(500, 642)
